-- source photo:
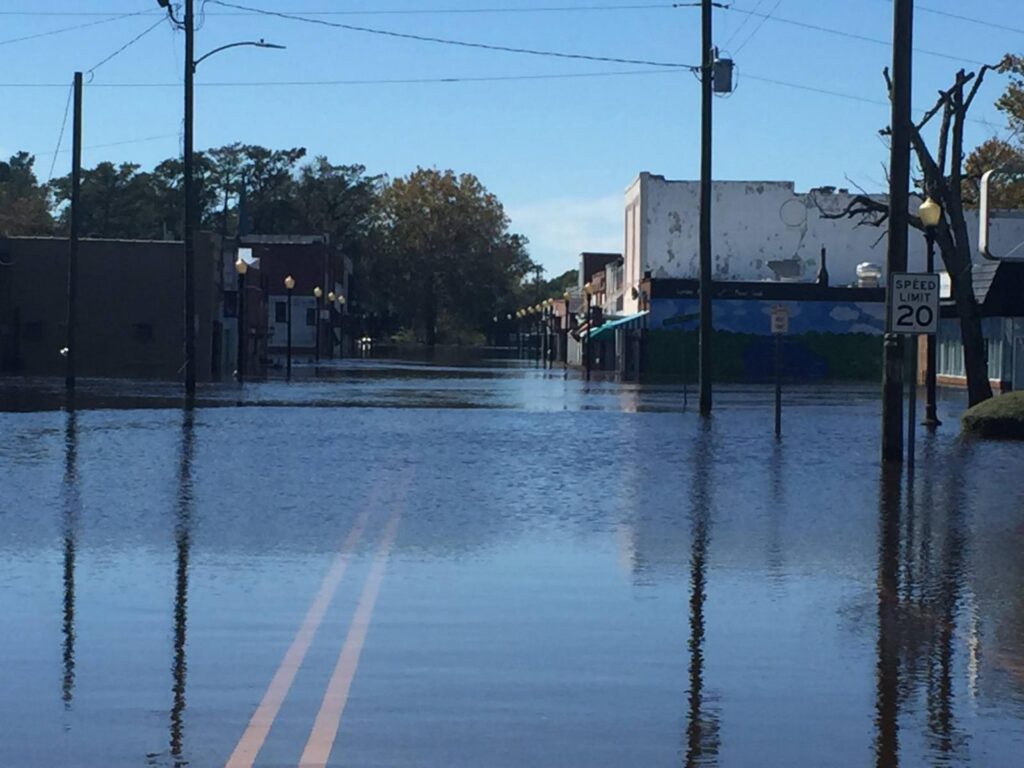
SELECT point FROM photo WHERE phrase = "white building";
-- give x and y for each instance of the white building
(761, 230)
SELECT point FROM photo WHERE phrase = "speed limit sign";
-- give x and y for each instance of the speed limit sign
(914, 303)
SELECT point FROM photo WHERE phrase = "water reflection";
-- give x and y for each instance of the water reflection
(72, 505)
(887, 669)
(919, 595)
(183, 544)
(702, 725)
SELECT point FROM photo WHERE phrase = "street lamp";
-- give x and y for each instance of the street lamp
(341, 324)
(187, 23)
(289, 284)
(318, 295)
(931, 214)
(241, 268)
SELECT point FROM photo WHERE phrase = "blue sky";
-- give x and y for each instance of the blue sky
(558, 152)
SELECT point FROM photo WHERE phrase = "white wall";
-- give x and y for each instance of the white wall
(753, 223)
(303, 336)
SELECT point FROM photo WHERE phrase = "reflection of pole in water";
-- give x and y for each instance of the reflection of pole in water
(71, 505)
(182, 536)
(887, 670)
(775, 515)
(940, 693)
(701, 727)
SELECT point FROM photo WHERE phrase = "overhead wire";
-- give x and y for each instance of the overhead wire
(850, 35)
(453, 42)
(757, 28)
(742, 24)
(60, 136)
(74, 28)
(126, 46)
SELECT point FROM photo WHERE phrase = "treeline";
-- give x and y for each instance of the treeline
(435, 259)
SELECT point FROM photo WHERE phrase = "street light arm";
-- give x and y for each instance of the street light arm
(253, 43)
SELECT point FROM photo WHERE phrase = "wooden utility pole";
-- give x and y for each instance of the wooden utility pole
(71, 344)
(190, 204)
(706, 329)
(896, 256)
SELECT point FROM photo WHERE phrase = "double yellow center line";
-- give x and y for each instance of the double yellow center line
(325, 728)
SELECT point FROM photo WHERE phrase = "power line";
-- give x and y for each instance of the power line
(60, 137)
(408, 11)
(742, 24)
(459, 43)
(126, 46)
(126, 142)
(850, 35)
(74, 28)
(758, 27)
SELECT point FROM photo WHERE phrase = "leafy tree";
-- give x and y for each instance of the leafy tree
(116, 201)
(24, 202)
(1002, 153)
(443, 259)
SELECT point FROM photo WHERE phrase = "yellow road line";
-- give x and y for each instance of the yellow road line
(263, 718)
(328, 719)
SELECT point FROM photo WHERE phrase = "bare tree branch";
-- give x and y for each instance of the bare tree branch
(978, 82)
(947, 114)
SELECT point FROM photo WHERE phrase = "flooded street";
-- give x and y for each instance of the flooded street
(398, 564)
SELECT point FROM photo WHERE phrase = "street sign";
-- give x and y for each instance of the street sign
(913, 303)
(780, 320)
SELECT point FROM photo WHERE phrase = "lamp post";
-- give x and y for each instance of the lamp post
(318, 295)
(588, 289)
(563, 333)
(341, 325)
(241, 268)
(289, 284)
(330, 319)
(187, 23)
(931, 214)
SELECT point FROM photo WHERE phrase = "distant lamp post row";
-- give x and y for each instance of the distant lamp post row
(931, 214)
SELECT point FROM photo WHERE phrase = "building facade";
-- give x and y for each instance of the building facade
(130, 307)
(761, 230)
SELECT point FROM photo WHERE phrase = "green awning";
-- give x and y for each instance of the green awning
(632, 322)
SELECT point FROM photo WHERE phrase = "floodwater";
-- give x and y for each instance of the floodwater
(403, 565)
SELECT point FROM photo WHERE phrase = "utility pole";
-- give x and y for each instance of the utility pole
(896, 256)
(76, 223)
(190, 204)
(705, 340)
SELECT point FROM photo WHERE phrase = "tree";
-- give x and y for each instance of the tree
(999, 153)
(443, 260)
(943, 180)
(116, 201)
(24, 202)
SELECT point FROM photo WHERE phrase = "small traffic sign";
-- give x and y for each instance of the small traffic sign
(780, 320)
(914, 303)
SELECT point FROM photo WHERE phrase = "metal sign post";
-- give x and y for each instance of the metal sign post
(780, 327)
(913, 311)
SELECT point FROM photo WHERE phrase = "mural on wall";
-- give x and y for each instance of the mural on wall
(826, 339)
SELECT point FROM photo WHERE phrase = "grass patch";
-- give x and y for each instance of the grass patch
(1001, 417)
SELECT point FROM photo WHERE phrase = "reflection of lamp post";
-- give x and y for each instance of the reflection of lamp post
(241, 268)
(931, 214)
(289, 284)
(317, 294)
(191, 205)
(588, 289)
